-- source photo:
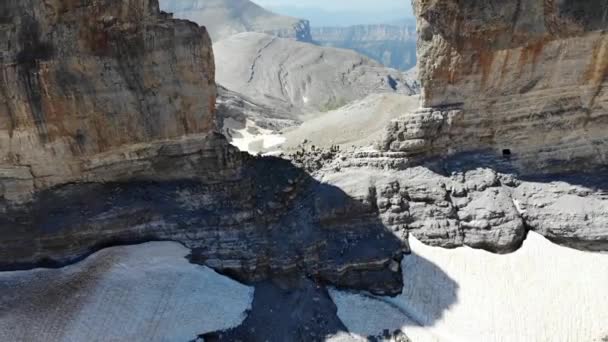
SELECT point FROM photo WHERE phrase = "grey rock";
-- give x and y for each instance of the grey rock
(526, 79)
(284, 73)
(224, 18)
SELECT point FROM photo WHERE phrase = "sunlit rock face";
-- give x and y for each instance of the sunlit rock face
(107, 120)
(90, 83)
(526, 79)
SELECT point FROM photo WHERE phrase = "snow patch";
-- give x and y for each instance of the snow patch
(252, 138)
(542, 292)
(148, 292)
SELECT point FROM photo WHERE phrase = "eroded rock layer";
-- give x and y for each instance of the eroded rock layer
(85, 82)
(524, 79)
(107, 137)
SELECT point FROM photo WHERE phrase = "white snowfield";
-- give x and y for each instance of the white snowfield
(252, 138)
(147, 292)
(543, 292)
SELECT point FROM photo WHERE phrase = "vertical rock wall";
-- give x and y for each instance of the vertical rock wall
(526, 78)
(80, 80)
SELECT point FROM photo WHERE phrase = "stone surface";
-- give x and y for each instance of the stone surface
(465, 202)
(285, 73)
(299, 310)
(224, 18)
(81, 81)
(525, 77)
(236, 111)
(107, 120)
(392, 45)
(269, 219)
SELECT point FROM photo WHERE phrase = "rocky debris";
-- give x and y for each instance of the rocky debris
(296, 310)
(360, 123)
(282, 72)
(96, 81)
(250, 126)
(525, 79)
(392, 45)
(224, 18)
(567, 209)
(239, 108)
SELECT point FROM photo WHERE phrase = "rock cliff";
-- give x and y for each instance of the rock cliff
(224, 18)
(523, 79)
(391, 45)
(107, 113)
(84, 87)
(107, 121)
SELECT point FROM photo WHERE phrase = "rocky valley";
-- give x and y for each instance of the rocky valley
(390, 44)
(469, 206)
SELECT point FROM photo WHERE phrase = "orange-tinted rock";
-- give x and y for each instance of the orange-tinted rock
(527, 76)
(83, 78)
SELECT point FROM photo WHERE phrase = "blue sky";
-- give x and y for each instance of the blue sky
(342, 12)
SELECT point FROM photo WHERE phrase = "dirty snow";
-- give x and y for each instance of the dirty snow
(147, 292)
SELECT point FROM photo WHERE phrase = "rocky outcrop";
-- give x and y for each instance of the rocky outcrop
(86, 89)
(392, 45)
(523, 79)
(284, 73)
(224, 18)
(107, 115)
(463, 201)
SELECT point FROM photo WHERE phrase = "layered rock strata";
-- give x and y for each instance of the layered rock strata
(468, 201)
(107, 115)
(391, 45)
(523, 79)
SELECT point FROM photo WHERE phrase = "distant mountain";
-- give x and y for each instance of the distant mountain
(344, 17)
(281, 72)
(391, 45)
(224, 18)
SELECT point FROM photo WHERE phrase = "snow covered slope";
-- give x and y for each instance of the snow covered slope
(148, 292)
(541, 293)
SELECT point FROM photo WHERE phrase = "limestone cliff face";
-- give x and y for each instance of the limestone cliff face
(86, 83)
(391, 45)
(107, 137)
(527, 78)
